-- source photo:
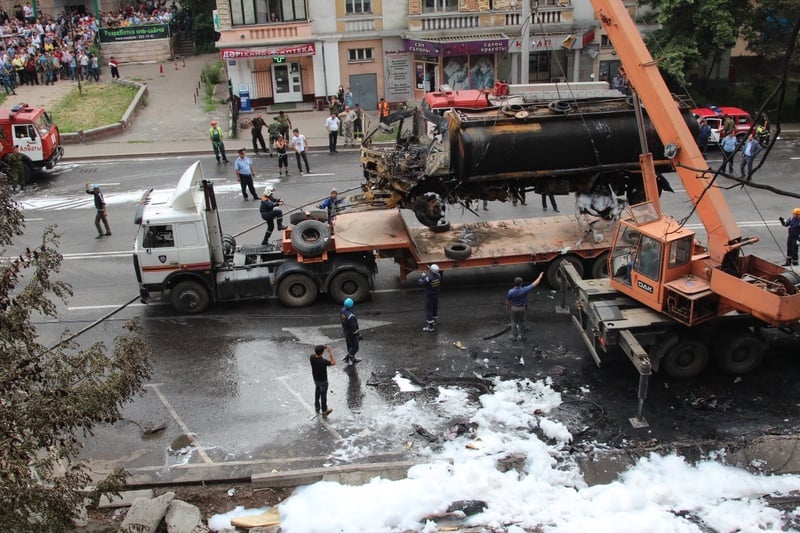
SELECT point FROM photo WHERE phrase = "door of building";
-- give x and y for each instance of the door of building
(287, 86)
(365, 90)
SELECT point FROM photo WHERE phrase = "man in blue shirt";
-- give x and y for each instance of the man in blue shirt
(331, 204)
(350, 329)
(517, 304)
(243, 167)
(432, 281)
(729, 145)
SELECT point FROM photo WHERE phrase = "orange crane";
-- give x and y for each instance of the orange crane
(700, 301)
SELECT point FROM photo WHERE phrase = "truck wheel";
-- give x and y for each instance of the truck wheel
(297, 218)
(739, 352)
(189, 297)
(685, 359)
(310, 238)
(441, 226)
(553, 275)
(297, 290)
(600, 266)
(457, 251)
(349, 284)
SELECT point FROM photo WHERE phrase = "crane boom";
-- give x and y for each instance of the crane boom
(690, 165)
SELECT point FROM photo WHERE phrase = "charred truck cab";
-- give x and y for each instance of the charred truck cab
(32, 129)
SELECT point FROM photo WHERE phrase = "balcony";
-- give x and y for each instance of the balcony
(265, 34)
(360, 23)
(547, 15)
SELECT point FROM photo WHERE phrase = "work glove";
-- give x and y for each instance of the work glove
(782, 220)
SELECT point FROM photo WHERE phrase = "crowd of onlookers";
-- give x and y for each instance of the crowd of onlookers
(40, 50)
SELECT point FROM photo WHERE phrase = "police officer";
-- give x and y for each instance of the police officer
(432, 281)
(269, 212)
(791, 240)
(350, 330)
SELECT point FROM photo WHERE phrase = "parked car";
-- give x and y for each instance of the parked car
(715, 115)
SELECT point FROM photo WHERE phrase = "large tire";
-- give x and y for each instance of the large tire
(441, 226)
(739, 352)
(349, 284)
(457, 251)
(600, 266)
(554, 276)
(298, 217)
(310, 238)
(686, 359)
(189, 297)
(297, 290)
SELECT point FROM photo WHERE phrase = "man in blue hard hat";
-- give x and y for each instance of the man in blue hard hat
(350, 330)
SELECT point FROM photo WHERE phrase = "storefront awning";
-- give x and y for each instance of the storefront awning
(458, 45)
(261, 51)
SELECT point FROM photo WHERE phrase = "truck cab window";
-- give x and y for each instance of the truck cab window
(680, 252)
(648, 260)
(158, 237)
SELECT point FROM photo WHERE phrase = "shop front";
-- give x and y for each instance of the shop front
(273, 75)
(459, 64)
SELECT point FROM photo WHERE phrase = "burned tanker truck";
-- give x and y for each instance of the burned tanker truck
(587, 146)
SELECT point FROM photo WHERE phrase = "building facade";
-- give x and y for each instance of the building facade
(280, 51)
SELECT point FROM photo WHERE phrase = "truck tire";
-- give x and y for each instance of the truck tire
(738, 352)
(297, 290)
(310, 238)
(349, 284)
(441, 226)
(457, 251)
(189, 297)
(685, 359)
(553, 275)
(297, 218)
(600, 266)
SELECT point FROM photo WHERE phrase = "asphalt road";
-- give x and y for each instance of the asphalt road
(237, 377)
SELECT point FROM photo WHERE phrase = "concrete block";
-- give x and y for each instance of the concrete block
(145, 515)
(125, 499)
(182, 517)
(355, 474)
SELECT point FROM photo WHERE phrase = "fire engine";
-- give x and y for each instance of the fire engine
(32, 129)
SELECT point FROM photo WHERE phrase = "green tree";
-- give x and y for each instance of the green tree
(49, 398)
(202, 23)
(694, 34)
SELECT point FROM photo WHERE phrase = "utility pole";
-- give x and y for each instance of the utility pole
(525, 39)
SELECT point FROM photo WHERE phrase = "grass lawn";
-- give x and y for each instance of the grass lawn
(101, 104)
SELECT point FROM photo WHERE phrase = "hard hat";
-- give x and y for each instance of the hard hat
(334, 191)
(434, 268)
(348, 303)
(213, 122)
(269, 190)
(795, 211)
(93, 187)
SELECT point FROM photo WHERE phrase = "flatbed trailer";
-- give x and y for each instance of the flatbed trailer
(544, 241)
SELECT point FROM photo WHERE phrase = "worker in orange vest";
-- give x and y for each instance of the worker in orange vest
(383, 109)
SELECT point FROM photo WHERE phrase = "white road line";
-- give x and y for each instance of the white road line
(309, 407)
(96, 307)
(180, 423)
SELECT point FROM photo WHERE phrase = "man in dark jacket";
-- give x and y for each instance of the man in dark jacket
(269, 212)
(432, 281)
(100, 208)
(350, 329)
(791, 240)
(319, 371)
(256, 125)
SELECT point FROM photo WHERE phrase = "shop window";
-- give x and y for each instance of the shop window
(361, 54)
(433, 6)
(357, 7)
(258, 12)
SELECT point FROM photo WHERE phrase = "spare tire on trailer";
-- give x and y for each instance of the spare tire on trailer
(298, 217)
(441, 226)
(457, 251)
(310, 238)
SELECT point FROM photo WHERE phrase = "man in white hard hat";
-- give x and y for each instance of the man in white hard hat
(432, 281)
(269, 212)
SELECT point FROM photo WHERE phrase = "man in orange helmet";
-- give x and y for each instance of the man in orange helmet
(794, 233)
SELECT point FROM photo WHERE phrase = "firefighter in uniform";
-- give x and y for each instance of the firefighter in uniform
(432, 281)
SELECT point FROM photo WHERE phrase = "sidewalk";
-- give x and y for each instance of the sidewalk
(174, 120)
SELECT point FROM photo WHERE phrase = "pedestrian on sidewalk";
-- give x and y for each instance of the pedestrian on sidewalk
(100, 208)
(348, 98)
(255, 130)
(350, 329)
(113, 64)
(358, 123)
(553, 204)
(794, 234)
(517, 305)
(269, 211)
(215, 134)
(283, 157)
(432, 281)
(347, 117)
(332, 124)
(300, 148)
(319, 371)
(243, 168)
(383, 109)
(729, 146)
(286, 124)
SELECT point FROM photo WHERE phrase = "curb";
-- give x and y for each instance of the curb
(109, 130)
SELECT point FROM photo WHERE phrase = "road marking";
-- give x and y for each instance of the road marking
(313, 335)
(309, 407)
(180, 423)
(96, 307)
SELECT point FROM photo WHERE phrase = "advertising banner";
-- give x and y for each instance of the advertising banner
(134, 33)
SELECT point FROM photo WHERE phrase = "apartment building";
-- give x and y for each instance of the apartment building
(280, 51)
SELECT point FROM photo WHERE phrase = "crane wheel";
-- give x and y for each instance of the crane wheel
(739, 352)
(684, 359)
(297, 290)
(457, 251)
(553, 274)
(311, 237)
(189, 297)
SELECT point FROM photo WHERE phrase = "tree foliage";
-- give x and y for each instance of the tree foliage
(49, 398)
(769, 30)
(694, 33)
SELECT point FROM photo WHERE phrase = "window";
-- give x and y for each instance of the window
(648, 260)
(361, 54)
(259, 12)
(432, 6)
(158, 237)
(680, 252)
(354, 7)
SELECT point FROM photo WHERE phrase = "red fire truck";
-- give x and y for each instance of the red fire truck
(32, 129)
